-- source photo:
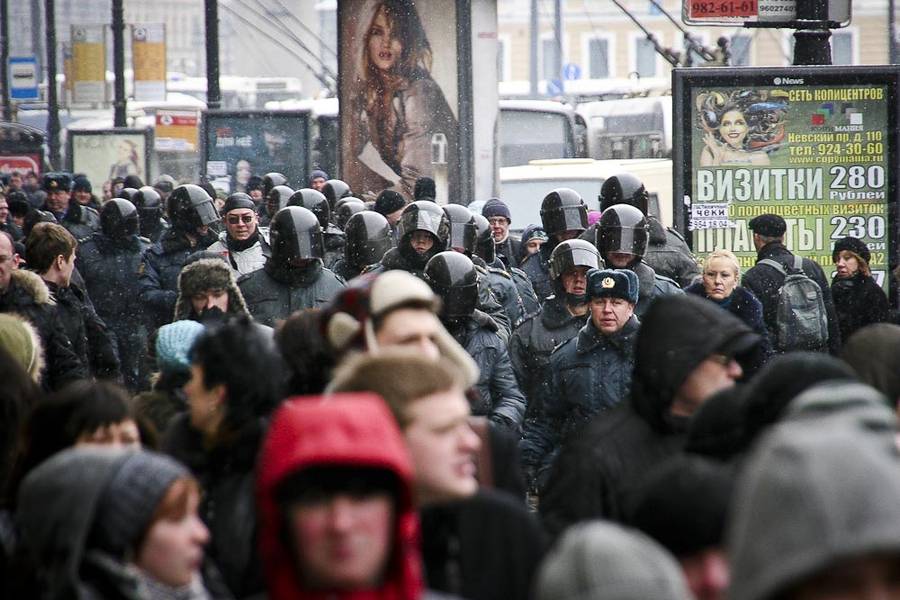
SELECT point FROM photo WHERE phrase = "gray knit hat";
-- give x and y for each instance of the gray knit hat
(131, 497)
(604, 561)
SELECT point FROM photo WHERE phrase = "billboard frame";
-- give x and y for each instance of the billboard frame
(111, 132)
(686, 80)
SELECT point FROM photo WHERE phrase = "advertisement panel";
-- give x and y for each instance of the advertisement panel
(89, 64)
(816, 145)
(239, 144)
(762, 13)
(399, 82)
(177, 130)
(107, 154)
(148, 51)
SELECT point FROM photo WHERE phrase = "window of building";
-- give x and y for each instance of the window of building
(740, 50)
(548, 58)
(644, 58)
(842, 47)
(599, 58)
(503, 59)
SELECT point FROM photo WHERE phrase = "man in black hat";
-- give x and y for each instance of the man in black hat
(243, 244)
(765, 280)
(509, 248)
(591, 372)
(391, 204)
(81, 221)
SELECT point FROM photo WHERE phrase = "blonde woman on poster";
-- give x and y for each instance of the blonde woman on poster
(740, 127)
(127, 161)
(398, 106)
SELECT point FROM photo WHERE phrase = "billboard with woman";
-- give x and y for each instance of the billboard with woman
(399, 98)
(108, 154)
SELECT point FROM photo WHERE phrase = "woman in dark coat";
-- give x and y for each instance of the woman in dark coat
(858, 299)
(721, 276)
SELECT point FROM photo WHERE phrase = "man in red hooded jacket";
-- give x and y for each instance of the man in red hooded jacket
(335, 503)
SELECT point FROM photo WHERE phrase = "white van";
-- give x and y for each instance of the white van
(524, 187)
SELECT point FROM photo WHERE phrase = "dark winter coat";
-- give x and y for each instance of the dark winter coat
(537, 267)
(487, 547)
(110, 270)
(345, 270)
(273, 295)
(508, 251)
(80, 221)
(335, 240)
(532, 343)
(669, 255)
(90, 337)
(598, 469)
(589, 374)
(858, 301)
(652, 286)
(765, 281)
(745, 306)
(505, 292)
(159, 271)
(498, 392)
(28, 296)
(226, 476)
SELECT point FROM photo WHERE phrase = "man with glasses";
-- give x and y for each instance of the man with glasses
(687, 349)
(243, 244)
(508, 248)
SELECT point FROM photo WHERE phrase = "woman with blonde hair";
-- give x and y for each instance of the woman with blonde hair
(858, 299)
(720, 284)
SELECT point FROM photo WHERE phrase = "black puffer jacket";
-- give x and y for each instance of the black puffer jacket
(81, 221)
(858, 301)
(589, 374)
(597, 470)
(765, 281)
(273, 294)
(159, 271)
(335, 240)
(28, 296)
(498, 391)
(226, 476)
(90, 337)
(531, 345)
(504, 291)
(537, 267)
(508, 251)
(745, 306)
(669, 255)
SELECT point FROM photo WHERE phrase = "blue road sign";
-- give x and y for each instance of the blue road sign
(571, 71)
(23, 78)
(554, 87)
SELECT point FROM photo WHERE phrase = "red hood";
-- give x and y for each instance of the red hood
(342, 429)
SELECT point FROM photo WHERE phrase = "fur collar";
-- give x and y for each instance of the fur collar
(32, 284)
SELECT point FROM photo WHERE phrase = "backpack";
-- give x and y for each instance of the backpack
(801, 320)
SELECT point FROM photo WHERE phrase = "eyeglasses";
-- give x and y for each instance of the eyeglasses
(235, 219)
(497, 221)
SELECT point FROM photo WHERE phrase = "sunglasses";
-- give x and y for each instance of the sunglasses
(235, 219)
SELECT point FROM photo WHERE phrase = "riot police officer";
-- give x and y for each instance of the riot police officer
(334, 190)
(564, 216)
(368, 238)
(149, 204)
(346, 208)
(667, 253)
(622, 236)
(293, 277)
(109, 262)
(275, 199)
(316, 202)
(454, 278)
(192, 212)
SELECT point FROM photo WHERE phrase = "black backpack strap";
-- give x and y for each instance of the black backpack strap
(775, 265)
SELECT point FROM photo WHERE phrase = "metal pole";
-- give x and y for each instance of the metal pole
(4, 58)
(557, 40)
(811, 46)
(213, 93)
(36, 27)
(533, 63)
(118, 32)
(52, 102)
(892, 33)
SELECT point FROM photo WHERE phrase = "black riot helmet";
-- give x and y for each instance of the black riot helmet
(368, 238)
(453, 277)
(149, 205)
(270, 180)
(422, 215)
(624, 188)
(568, 255)
(334, 190)
(295, 234)
(485, 247)
(346, 208)
(315, 201)
(119, 219)
(623, 228)
(127, 193)
(190, 207)
(462, 228)
(277, 198)
(164, 184)
(563, 210)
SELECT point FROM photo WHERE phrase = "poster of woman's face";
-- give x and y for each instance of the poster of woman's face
(107, 155)
(398, 68)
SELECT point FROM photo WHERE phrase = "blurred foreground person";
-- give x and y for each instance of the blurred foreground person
(604, 561)
(135, 534)
(335, 497)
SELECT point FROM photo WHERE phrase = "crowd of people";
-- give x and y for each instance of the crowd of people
(294, 393)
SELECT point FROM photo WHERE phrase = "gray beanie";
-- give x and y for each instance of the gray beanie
(816, 491)
(131, 497)
(604, 561)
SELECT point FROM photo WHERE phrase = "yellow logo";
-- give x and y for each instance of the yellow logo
(608, 282)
